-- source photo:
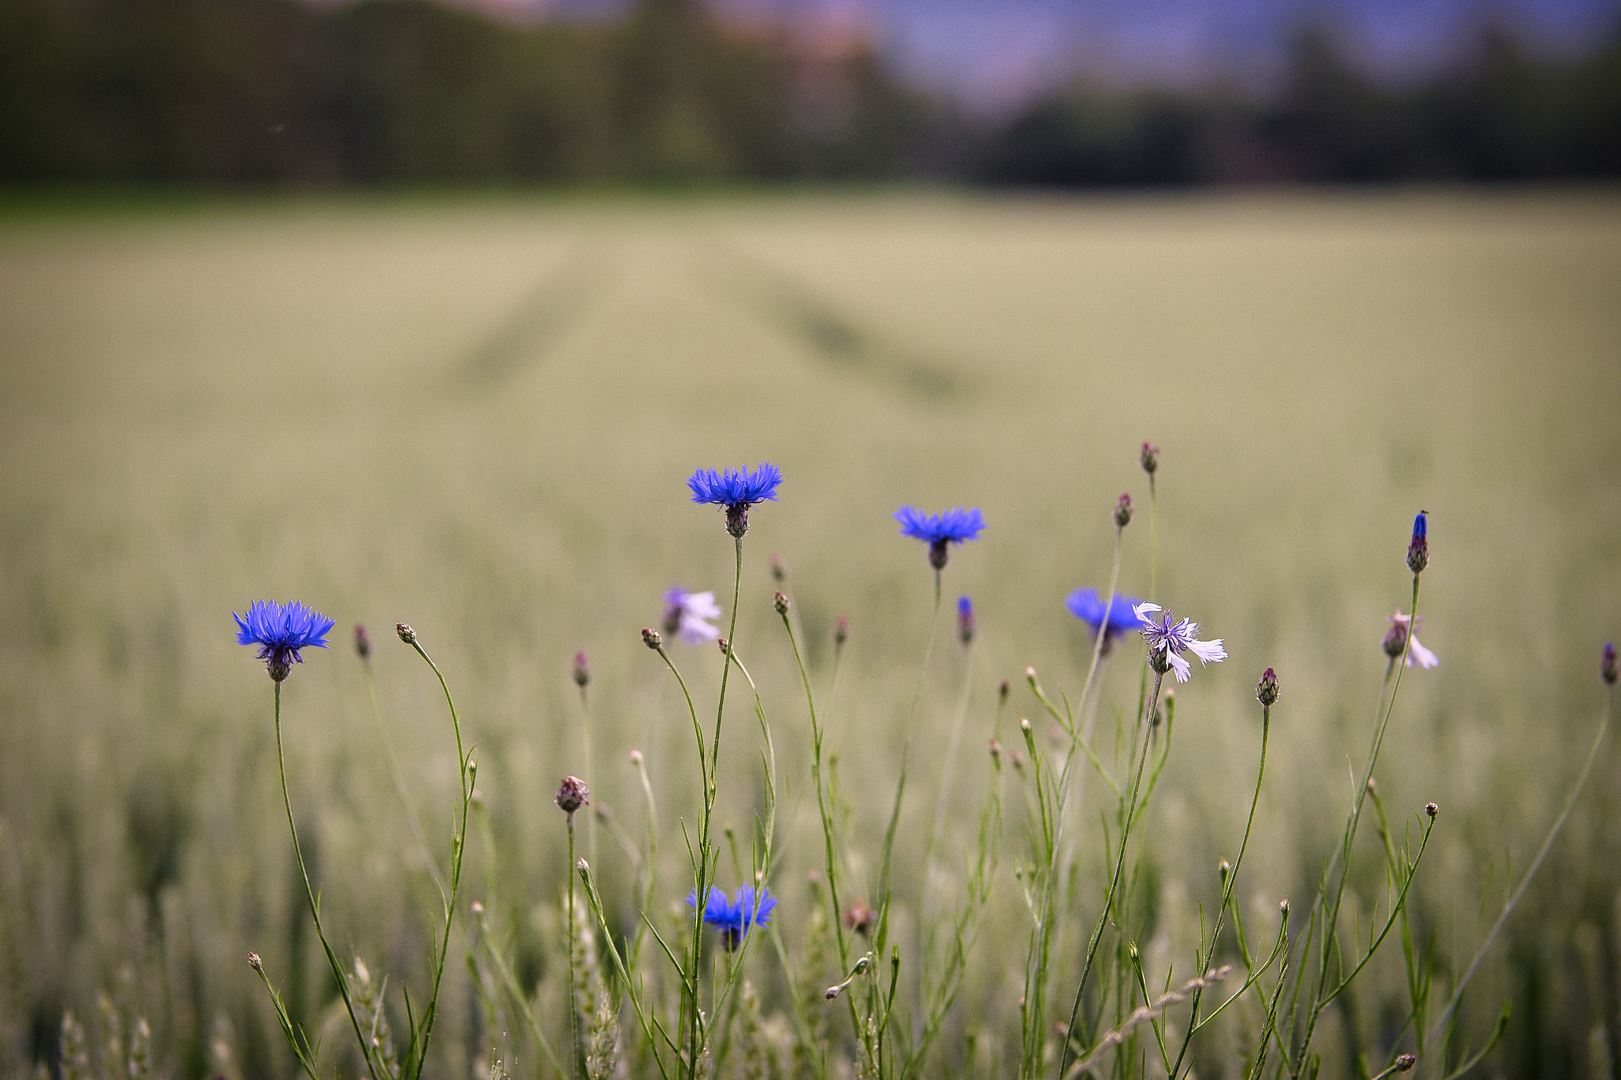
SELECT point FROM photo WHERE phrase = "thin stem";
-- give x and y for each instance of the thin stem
(590, 775)
(573, 1012)
(309, 894)
(1119, 868)
(1530, 872)
(1226, 897)
(516, 992)
(415, 821)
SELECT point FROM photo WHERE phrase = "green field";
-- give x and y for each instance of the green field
(477, 417)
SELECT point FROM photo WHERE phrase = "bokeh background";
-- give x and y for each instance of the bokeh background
(424, 313)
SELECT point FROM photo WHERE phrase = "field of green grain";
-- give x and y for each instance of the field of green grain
(477, 417)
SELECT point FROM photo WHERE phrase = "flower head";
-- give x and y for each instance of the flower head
(1266, 691)
(1418, 549)
(1149, 458)
(733, 918)
(362, 641)
(1168, 640)
(582, 670)
(965, 620)
(1401, 627)
(736, 490)
(1087, 606)
(1122, 510)
(685, 615)
(280, 631)
(571, 795)
(937, 530)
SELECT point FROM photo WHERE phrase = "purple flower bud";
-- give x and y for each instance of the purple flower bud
(1150, 458)
(965, 620)
(650, 638)
(1418, 549)
(1267, 690)
(780, 602)
(572, 794)
(1607, 665)
(841, 631)
(1122, 511)
(362, 641)
(407, 635)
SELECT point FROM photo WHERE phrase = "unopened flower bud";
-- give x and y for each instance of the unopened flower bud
(636, 758)
(362, 641)
(996, 750)
(582, 670)
(965, 620)
(1122, 511)
(859, 917)
(841, 631)
(1405, 1062)
(582, 866)
(407, 635)
(1150, 458)
(1283, 907)
(779, 569)
(1395, 640)
(1223, 868)
(1606, 666)
(780, 602)
(724, 646)
(1266, 691)
(478, 908)
(650, 638)
(1431, 809)
(1418, 549)
(572, 794)
(255, 963)
(1003, 689)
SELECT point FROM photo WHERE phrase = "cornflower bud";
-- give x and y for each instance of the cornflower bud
(1418, 549)
(255, 963)
(362, 641)
(636, 758)
(1223, 868)
(1003, 689)
(1405, 1062)
(1395, 639)
(572, 794)
(841, 631)
(779, 569)
(1431, 809)
(780, 602)
(724, 646)
(1606, 666)
(407, 635)
(582, 670)
(996, 750)
(1150, 458)
(1122, 511)
(1267, 690)
(650, 638)
(965, 620)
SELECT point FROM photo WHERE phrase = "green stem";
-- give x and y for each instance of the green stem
(315, 913)
(573, 1012)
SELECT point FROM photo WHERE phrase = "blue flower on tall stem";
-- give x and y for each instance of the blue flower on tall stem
(736, 490)
(1087, 606)
(280, 631)
(733, 918)
(937, 530)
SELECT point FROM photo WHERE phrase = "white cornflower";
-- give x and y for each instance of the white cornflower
(1401, 626)
(1168, 640)
(685, 614)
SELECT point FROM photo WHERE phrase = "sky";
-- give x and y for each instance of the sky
(998, 53)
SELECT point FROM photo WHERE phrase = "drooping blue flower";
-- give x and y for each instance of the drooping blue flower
(937, 530)
(1087, 606)
(736, 490)
(733, 918)
(280, 631)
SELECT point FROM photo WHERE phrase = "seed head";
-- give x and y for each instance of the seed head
(1150, 458)
(1266, 691)
(1122, 511)
(572, 794)
(1606, 666)
(650, 638)
(582, 670)
(1431, 809)
(407, 635)
(1405, 1062)
(780, 602)
(1418, 549)
(362, 641)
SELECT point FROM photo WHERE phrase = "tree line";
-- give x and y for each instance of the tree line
(276, 93)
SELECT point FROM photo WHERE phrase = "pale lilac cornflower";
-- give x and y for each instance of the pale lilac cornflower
(1168, 640)
(686, 615)
(1396, 639)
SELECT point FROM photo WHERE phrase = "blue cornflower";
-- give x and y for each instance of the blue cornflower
(937, 530)
(1418, 549)
(734, 918)
(736, 490)
(280, 631)
(1087, 606)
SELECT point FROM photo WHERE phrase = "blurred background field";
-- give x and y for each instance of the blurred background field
(476, 414)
